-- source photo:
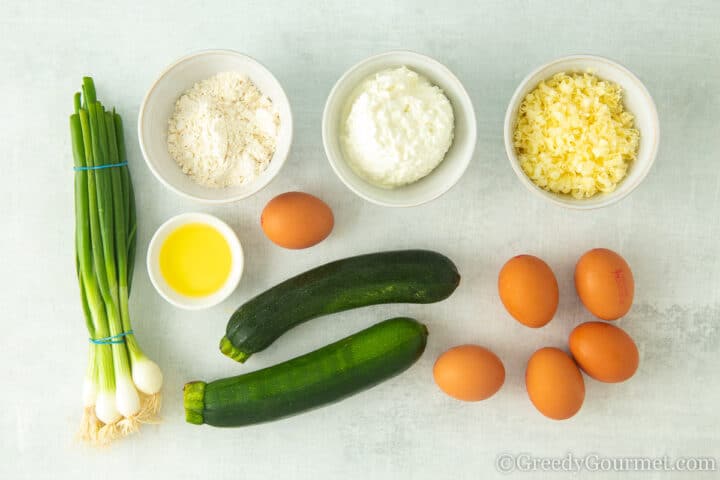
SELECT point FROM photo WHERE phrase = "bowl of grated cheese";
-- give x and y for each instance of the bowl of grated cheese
(581, 131)
(215, 126)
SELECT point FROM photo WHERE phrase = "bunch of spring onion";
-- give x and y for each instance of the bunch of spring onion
(122, 386)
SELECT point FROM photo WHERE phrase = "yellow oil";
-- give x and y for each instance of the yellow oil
(195, 260)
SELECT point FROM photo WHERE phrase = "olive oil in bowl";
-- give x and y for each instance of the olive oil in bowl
(195, 260)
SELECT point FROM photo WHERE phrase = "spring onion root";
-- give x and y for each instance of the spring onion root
(122, 385)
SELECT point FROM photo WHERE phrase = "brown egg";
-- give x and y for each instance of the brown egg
(296, 220)
(554, 383)
(469, 373)
(529, 290)
(604, 351)
(604, 283)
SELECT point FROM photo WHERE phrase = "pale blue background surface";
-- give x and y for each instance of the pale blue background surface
(668, 230)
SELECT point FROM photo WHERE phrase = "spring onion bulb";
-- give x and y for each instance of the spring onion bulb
(122, 385)
(147, 376)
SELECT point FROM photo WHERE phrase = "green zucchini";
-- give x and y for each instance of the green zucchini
(406, 276)
(326, 375)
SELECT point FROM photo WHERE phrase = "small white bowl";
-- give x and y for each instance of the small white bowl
(165, 290)
(457, 158)
(637, 101)
(159, 104)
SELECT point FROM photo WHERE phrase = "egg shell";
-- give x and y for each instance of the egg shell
(469, 372)
(554, 383)
(604, 283)
(528, 290)
(296, 220)
(605, 352)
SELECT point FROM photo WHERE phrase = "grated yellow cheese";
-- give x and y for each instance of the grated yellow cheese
(574, 136)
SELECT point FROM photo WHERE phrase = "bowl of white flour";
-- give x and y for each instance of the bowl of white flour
(215, 126)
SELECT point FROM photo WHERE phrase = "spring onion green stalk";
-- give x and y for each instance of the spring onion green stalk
(122, 385)
(146, 374)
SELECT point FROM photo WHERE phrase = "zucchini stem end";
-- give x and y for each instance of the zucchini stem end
(194, 402)
(230, 350)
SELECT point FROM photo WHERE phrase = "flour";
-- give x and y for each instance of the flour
(223, 131)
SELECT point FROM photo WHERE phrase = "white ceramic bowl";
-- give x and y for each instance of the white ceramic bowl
(457, 158)
(637, 100)
(153, 261)
(159, 104)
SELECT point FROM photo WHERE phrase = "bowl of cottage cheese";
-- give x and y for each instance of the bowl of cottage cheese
(399, 129)
(215, 126)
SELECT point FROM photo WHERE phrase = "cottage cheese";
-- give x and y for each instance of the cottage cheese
(397, 128)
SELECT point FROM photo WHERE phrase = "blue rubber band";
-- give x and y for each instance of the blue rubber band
(112, 339)
(99, 167)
